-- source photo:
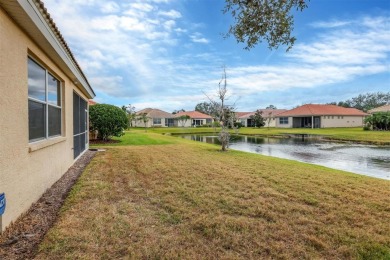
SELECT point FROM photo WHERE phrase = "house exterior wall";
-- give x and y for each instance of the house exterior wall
(189, 122)
(330, 121)
(342, 121)
(28, 169)
(289, 125)
(138, 123)
(272, 123)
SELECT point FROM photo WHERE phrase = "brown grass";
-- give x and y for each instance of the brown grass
(190, 201)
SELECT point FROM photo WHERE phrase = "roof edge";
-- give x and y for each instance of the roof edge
(37, 12)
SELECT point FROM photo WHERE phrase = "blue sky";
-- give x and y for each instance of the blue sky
(168, 53)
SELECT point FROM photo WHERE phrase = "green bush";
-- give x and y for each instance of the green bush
(378, 121)
(216, 124)
(108, 120)
(238, 125)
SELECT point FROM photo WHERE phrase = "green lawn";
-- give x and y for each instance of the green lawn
(343, 134)
(139, 138)
(179, 199)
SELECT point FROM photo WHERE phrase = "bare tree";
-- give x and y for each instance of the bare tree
(224, 112)
(130, 112)
(224, 135)
(183, 119)
(144, 119)
(269, 119)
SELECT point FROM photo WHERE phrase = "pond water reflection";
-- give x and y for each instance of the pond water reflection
(368, 160)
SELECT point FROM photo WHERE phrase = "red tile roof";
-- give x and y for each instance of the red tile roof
(385, 108)
(319, 110)
(266, 113)
(91, 102)
(41, 7)
(240, 114)
(193, 114)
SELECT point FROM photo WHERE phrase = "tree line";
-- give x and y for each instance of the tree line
(366, 101)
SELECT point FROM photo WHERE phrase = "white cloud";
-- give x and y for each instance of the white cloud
(198, 38)
(180, 30)
(110, 7)
(330, 24)
(144, 7)
(336, 56)
(169, 24)
(132, 54)
(173, 14)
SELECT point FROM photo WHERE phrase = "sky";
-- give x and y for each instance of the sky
(170, 54)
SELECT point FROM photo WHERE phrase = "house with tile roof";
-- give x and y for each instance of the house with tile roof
(157, 118)
(267, 114)
(384, 108)
(320, 116)
(44, 104)
(196, 119)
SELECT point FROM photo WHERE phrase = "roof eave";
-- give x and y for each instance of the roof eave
(46, 37)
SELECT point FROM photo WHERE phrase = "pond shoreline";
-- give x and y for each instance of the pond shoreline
(287, 135)
(359, 158)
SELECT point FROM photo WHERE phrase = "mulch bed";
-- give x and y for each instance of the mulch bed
(21, 239)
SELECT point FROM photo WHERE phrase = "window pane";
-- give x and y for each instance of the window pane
(83, 106)
(54, 88)
(76, 146)
(36, 81)
(54, 121)
(82, 142)
(36, 120)
(76, 114)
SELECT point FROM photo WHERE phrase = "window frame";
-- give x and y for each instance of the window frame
(157, 121)
(46, 102)
(283, 120)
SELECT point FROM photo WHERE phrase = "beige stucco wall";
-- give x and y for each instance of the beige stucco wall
(26, 174)
(342, 121)
(138, 123)
(289, 125)
(188, 123)
(333, 121)
(268, 123)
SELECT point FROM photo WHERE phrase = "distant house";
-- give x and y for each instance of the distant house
(385, 108)
(196, 119)
(267, 114)
(91, 102)
(320, 116)
(43, 104)
(156, 118)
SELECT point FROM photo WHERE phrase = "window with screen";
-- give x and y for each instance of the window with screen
(44, 103)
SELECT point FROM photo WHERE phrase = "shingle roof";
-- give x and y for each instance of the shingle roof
(319, 110)
(385, 108)
(193, 114)
(155, 113)
(266, 113)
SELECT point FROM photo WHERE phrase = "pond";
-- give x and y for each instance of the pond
(368, 160)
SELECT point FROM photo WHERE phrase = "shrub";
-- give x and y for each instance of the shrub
(108, 120)
(378, 121)
(216, 124)
(238, 125)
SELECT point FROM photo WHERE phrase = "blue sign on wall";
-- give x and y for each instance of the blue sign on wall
(2, 203)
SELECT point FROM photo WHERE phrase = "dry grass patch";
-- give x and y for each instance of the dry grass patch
(190, 201)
